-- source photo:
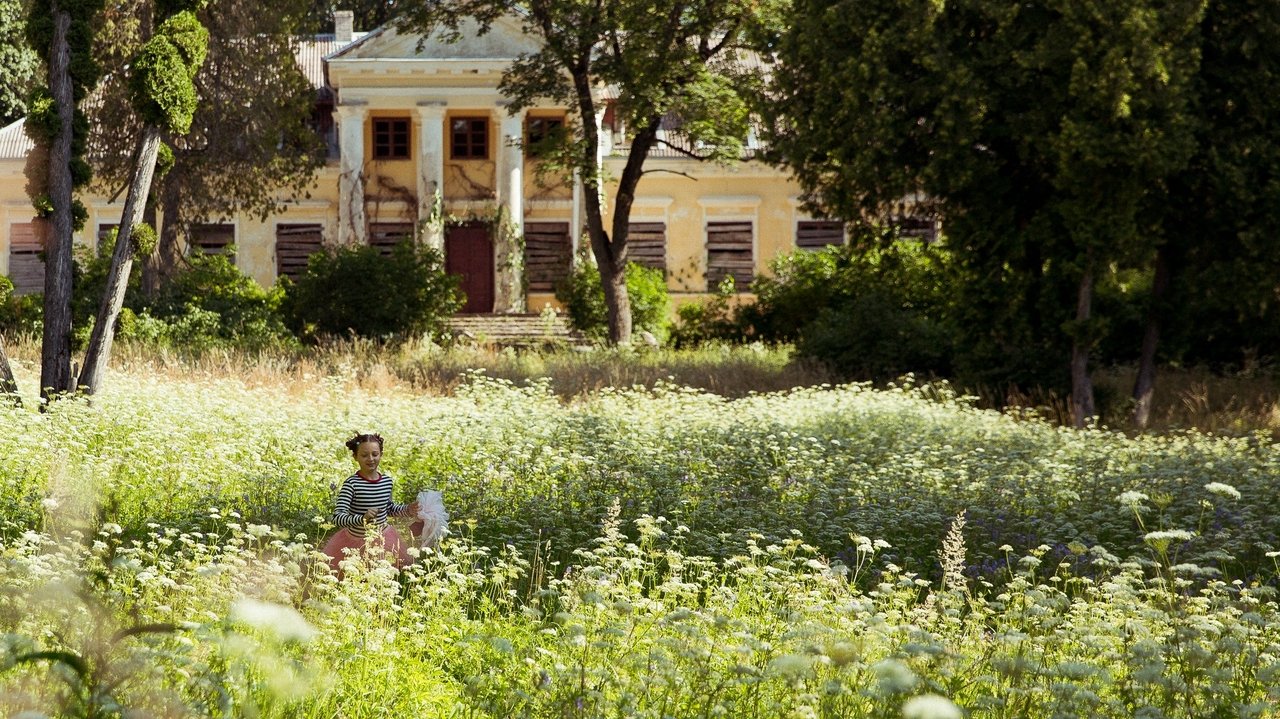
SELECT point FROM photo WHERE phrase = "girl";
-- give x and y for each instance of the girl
(364, 503)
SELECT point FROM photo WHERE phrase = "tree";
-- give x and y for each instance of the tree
(62, 32)
(666, 58)
(1037, 130)
(18, 63)
(164, 97)
(247, 149)
(1217, 262)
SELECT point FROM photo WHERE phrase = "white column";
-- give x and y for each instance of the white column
(575, 218)
(351, 221)
(430, 167)
(509, 269)
(600, 130)
(510, 178)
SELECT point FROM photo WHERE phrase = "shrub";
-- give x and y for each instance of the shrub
(357, 290)
(20, 314)
(708, 321)
(583, 297)
(213, 303)
(871, 311)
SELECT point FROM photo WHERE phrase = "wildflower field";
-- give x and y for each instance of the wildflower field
(822, 552)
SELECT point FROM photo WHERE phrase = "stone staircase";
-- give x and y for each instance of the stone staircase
(516, 330)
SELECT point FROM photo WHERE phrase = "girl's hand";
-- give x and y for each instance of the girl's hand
(369, 516)
(411, 510)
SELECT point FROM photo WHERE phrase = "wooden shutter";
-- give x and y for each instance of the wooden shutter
(386, 235)
(647, 244)
(548, 252)
(817, 234)
(26, 265)
(212, 239)
(729, 253)
(294, 244)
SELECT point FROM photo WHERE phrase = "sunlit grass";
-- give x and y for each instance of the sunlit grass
(829, 551)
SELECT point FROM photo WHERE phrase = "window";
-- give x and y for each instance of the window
(390, 138)
(294, 244)
(539, 132)
(647, 244)
(469, 138)
(26, 261)
(386, 235)
(547, 254)
(816, 234)
(211, 239)
(105, 230)
(729, 254)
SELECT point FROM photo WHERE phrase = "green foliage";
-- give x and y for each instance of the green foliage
(583, 298)
(357, 290)
(870, 312)
(1042, 133)
(213, 302)
(837, 552)
(19, 314)
(712, 320)
(162, 83)
(18, 63)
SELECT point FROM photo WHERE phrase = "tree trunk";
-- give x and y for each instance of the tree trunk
(104, 329)
(1082, 408)
(167, 258)
(1144, 386)
(55, 356)
(8, 385)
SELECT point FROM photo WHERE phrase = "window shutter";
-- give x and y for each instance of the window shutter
(294, 244)
(547, 254)
(729, 253)
(647, 244)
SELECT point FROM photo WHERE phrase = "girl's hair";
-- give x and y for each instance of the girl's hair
(354, 443)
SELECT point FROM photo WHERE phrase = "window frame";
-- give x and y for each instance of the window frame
(470, 135)
(549, 124)
(392, 138)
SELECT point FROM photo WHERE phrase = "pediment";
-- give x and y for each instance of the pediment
(505, 40)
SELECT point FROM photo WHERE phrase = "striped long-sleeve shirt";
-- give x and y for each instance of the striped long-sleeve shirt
(358, 495)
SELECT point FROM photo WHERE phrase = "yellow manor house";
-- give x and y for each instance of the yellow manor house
(417, 131)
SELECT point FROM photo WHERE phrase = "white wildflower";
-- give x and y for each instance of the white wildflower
(258, 530)
(50, 504)
(1225, 491)
(1132, 499)
(285, 623)
(930, 706)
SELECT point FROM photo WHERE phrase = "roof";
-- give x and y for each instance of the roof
(14, 143)
(311, 54)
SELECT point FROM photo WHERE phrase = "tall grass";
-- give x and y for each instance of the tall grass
(829, 551)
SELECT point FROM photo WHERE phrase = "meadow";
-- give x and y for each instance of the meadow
(658, 551)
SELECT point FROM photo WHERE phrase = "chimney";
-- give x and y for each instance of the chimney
(343, 25)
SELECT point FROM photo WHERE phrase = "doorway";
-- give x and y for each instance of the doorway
(468, 253)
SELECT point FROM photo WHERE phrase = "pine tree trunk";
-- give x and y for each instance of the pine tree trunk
(55, 355)
(99, 352)
(1144, 386)
(1082, 407)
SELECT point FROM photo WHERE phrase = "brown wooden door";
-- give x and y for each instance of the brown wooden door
(468, 253)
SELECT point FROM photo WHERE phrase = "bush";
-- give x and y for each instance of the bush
(583, 297)
(20, 314)
(357, 290)
(213, 303)
(708, 321)
(870, 312)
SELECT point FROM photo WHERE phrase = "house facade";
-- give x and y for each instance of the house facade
(422, 143)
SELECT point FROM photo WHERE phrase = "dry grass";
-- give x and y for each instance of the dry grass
(1185, 399)
(429, 369)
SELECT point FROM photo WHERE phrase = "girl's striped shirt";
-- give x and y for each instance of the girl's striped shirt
(358, 495)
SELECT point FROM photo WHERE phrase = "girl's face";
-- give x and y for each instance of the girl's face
(368, 455)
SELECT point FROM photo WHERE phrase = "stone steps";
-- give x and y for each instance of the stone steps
(515, 330)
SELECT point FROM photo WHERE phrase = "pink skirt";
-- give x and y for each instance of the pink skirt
(343, 543)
